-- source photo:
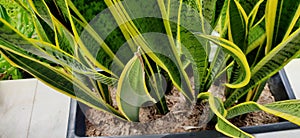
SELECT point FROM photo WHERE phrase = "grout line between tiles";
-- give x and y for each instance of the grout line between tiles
(30, 119)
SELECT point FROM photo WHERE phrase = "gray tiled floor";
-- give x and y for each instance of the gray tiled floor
(15, 107)
(51, 108)
(31, 109)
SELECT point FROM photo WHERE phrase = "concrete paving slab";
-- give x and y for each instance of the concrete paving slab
(50, 113)
(16, 103)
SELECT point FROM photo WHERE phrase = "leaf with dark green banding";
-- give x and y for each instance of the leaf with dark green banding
(132, 92)
(190, 44)
(102, 37)
(288, 109)
(212, 10)
(208, 10)
(159, 47)
(47, 51)
(58, 79)
(216, 66)
(269, 65)
(238, 55)
(256, 36)
(281, 17)
(238, 24)
(41, 10)
(49, 9)
(221, 25)
(48, 28)
(256, 11)
(237, 33)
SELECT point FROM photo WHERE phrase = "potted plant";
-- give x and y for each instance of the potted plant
(279, 83)
(136, 47)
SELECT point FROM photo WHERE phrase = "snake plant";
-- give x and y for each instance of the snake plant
(137, 46)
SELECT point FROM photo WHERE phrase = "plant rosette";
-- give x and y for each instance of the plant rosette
(142, 86)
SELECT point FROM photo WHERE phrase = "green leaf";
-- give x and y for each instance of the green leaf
(257, 91)
(216, 67)
(238, 24)
(62, 23)
(7, 71)
(47, 51)
(256, 36)
(40, 8)
(3, 14)
(189, 43)
(132, 92)
(157, 85)
(237, 33)
(102, 37)
(281, 17)
(48, 10)
(238, 55)
(53, 24)
(222, 24)
(212, 10)
(288, 109)
(89, 9)
(57, 78)
(269, 65)
(256, 11)
(223, 125)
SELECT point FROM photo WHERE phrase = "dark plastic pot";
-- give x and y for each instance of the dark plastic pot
(279, 85)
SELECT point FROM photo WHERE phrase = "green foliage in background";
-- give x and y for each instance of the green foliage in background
(7, 71)
(21, 20)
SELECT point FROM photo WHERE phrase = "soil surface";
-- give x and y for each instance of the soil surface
(181, 118)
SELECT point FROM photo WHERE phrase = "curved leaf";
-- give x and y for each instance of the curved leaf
(288, 109)
(269, 65)
(132, 92)
(66, 35)
(223, 125)
(237, 32)
(101, 37)
(238, 55)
